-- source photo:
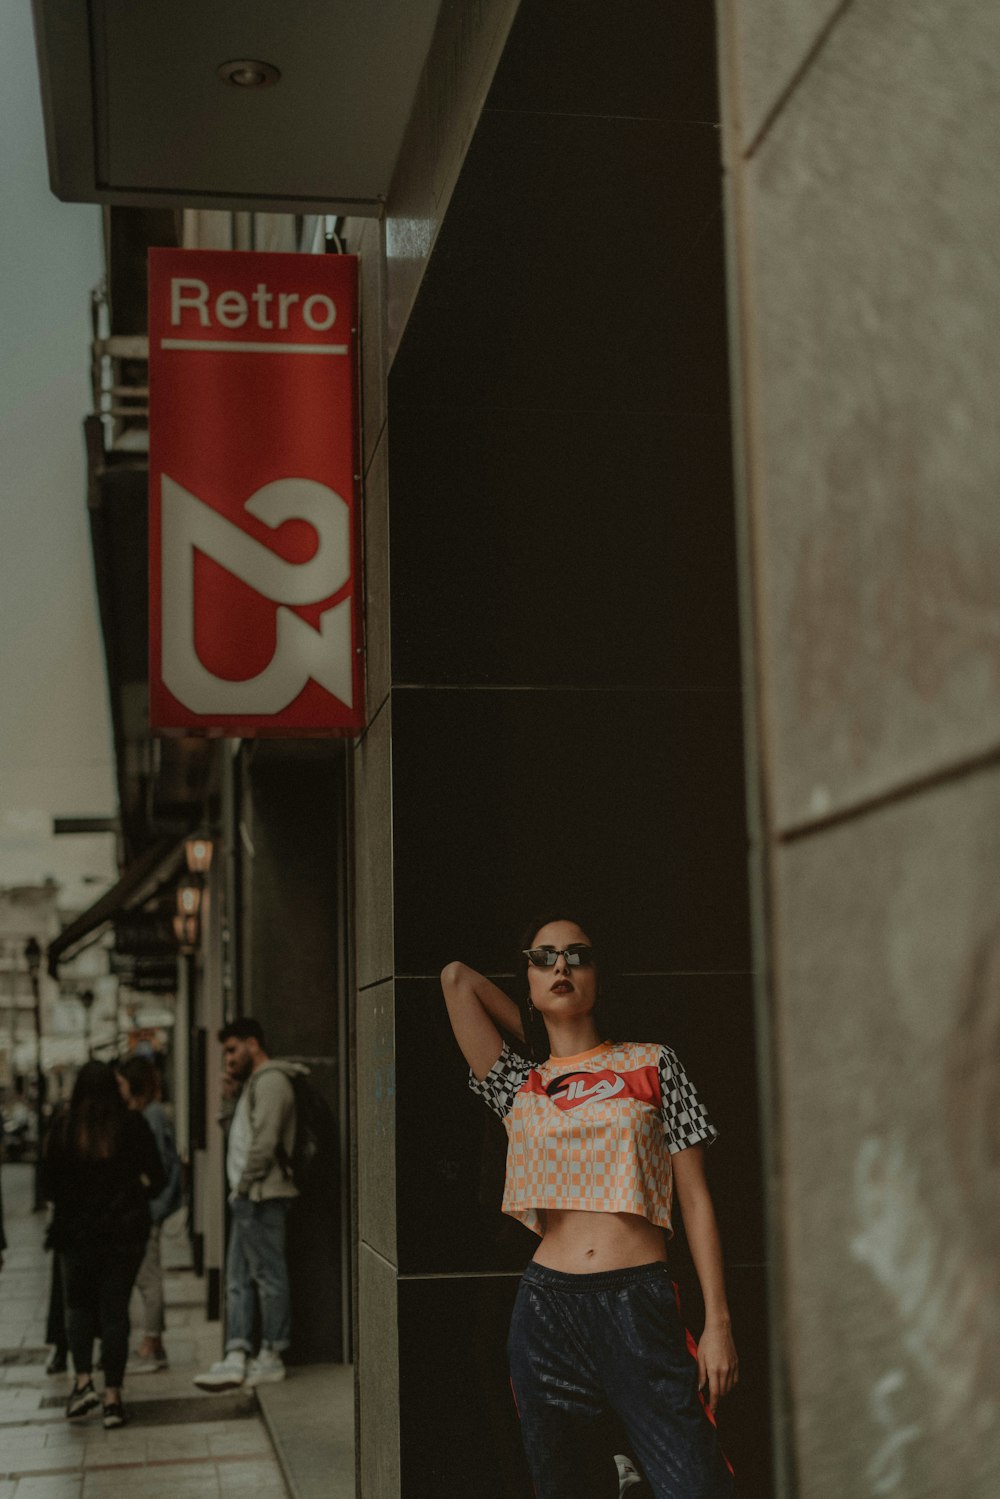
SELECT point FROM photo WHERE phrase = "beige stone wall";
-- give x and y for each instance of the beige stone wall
(864, 239)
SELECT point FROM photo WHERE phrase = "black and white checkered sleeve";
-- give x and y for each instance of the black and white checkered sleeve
(684, 1119)
(503, 1082)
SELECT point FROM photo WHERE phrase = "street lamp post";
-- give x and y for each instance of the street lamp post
(33, 958)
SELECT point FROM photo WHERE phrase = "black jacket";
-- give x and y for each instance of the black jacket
(102, 1202)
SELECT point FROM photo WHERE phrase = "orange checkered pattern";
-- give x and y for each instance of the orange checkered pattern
(594, 1131)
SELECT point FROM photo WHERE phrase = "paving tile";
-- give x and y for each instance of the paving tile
(261, 1479)
(68, 1438)
(198, 1482)
(68, 1487)
(18, 1404)
(23, 1458)
(177, 1441)
(125, 1446)
(181, 1350)
(237, 1439)
(65, 1435)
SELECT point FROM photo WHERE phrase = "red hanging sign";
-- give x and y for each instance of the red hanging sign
(254, 522)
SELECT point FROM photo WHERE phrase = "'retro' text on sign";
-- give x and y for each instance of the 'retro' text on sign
(255, 526)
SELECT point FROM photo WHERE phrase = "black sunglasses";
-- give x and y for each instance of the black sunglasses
(577, 955)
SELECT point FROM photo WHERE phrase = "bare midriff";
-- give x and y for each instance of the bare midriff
(579, 1242)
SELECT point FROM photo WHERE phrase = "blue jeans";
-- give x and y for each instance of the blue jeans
(255, 1262)
(590, 1350)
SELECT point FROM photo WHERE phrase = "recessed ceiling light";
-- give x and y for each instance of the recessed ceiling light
(248, 72)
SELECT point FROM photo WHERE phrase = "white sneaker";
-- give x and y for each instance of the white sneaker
(267, 1368)
(228, 1374)
(627, 1474)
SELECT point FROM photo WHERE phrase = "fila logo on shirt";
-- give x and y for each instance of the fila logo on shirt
(574, 1088)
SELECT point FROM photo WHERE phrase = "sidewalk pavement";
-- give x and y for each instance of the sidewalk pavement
(180, 1443)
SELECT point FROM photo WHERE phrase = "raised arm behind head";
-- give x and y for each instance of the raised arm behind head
(476, 1009)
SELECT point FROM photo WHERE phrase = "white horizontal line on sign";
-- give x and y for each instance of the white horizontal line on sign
(229, 346)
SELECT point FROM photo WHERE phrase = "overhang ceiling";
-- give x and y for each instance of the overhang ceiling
(135, 112)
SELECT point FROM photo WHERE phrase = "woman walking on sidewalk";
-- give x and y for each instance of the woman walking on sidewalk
(601, 1134)
(142, 1091)
(102, 1167)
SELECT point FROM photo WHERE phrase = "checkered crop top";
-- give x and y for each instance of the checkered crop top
(594, 1131)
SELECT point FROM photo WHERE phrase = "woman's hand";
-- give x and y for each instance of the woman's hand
(718, 1366)
(717, 1362)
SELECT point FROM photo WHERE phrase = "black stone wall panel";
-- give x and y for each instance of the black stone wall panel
(458, 1422)
(628, 804)
(588, 57)
(527, 304)
(557, 547)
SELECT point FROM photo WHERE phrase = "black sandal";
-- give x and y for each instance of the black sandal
(114, 1415)
(82, 1401)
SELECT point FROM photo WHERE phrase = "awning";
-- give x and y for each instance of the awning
(147, 873)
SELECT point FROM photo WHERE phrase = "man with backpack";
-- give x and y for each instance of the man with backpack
(259, 1152)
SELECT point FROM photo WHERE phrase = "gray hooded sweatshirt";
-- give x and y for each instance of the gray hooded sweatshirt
(270, 1103)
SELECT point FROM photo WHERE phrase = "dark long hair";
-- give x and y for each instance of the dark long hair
(535, 1034)
(142, 1077)
(95, 1121)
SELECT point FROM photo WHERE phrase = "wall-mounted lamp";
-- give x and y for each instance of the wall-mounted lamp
(188, 899)
(198, 854)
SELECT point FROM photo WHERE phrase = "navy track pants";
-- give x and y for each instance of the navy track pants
(589, 1351)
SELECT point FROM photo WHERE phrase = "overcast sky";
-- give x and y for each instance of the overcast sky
(55, 737)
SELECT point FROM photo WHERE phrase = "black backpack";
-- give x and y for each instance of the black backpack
(315, 1159)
